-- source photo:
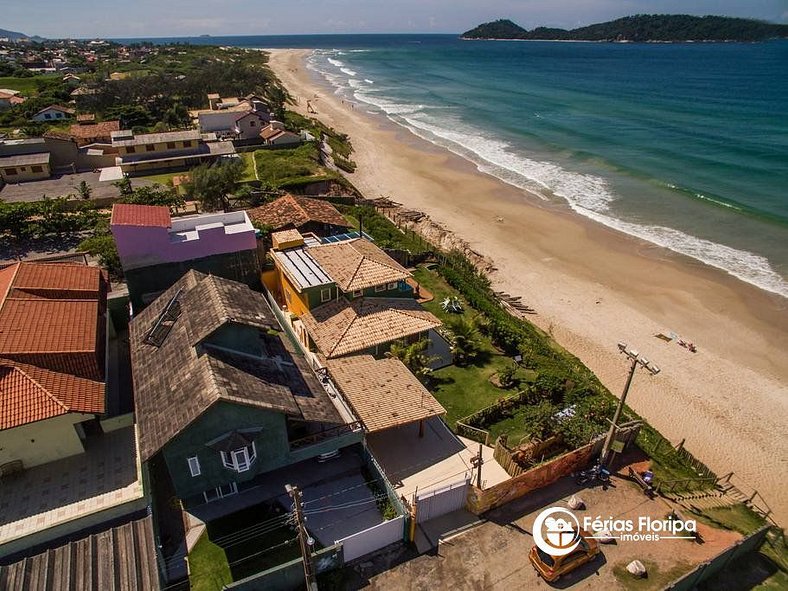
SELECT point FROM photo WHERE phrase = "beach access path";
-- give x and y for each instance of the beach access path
(593, 287)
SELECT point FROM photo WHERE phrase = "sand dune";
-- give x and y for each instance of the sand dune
(593, 287)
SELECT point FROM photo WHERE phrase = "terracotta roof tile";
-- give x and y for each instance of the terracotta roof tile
(342, 327)
(48, 326)
(29, 394)
(383, 392)
(357, 264)
(126, 214)
(96, 130)
(297, 211)
(57, 276)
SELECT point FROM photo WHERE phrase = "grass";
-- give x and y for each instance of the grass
(248, 160)
(209, 570)
(251, 553)
(284, 168)
(657, 577)
(26, 86)
(164, 178)
(462, 390)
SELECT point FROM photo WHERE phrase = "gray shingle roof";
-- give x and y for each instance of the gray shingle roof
(176, 382)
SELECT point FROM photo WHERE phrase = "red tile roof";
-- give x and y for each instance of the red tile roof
(125, 214)
(57, 276)
(297, 211)
(29, 394)
(97, 130)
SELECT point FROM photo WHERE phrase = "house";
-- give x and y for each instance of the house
(86, 132)
(242, 125)
(10, 98)
(275, 134)
(220, 395)
(25, 167)
(121, 558)
(53, 113)
(306, 215)
(349, 297)
(72, 79)
(155, 249)
(142, 153)
(86, 118)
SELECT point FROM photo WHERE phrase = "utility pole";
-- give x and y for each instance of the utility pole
(636, 360)
(477, 462)
(304, 540)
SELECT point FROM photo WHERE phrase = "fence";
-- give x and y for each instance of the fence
(707, 570)
(481, 501)
(470, 426)
(374, 538)
(290, 575)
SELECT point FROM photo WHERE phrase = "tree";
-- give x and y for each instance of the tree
(84, 190)
(414, 356)
(103, 247)
(124, 186)
(540, 420)
(155, 194)
(466, 344)
(210, 185)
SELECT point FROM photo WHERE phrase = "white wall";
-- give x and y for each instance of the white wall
(42, 442)
(373, 539)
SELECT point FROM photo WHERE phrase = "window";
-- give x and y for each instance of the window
(241, 459)
(170, 145)
(358, 293)
(37, 169)
(187, 144)
(10, 171)
(380, 288)
(392, 285)
(47, 116)
(150, 148)
(325, 294)
(220, 492)
(251, 124)
(194, 465)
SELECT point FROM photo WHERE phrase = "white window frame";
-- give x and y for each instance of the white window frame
(239, 460)
(194, 466)
(379, 288)
(325, 294)
(392, 285)
(220, 492)
(357, 293)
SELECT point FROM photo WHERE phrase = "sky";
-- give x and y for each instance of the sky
(169, 18)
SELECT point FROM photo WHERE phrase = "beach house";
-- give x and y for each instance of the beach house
(156, 249)
(306, 215)
(24, 160)
(344, 294)
(53, 113)
(220, 393)
(143, 153)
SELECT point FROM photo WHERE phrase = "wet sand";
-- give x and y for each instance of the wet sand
(593, 287)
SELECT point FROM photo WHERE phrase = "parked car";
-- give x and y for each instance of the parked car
(551, 568)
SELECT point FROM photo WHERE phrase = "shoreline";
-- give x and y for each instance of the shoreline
(592, 287)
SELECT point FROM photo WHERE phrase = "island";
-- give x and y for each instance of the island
(641, 28)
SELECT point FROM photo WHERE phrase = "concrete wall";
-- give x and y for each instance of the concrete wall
(25, 173)
(242, 266)
(42, 442)
(290, 575)
(373, 539)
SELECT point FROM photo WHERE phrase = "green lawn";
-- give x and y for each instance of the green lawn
(248, 159)
(250, 551)
(208, 566)
(164, 178)
(26, 86)
(464, 390)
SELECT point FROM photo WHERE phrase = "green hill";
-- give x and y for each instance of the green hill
(641, 28)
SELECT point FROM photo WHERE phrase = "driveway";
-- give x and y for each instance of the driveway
(494, 555)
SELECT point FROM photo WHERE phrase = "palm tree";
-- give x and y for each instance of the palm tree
(466, 344)
(414, 356)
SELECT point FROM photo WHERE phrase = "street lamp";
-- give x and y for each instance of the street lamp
(637, 360)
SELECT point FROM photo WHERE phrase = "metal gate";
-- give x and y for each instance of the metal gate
(439, 501)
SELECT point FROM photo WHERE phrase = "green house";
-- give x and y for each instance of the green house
(219, 392)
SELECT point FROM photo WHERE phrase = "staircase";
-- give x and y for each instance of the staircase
(723, 495)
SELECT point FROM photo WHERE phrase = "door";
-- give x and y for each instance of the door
(440, 501)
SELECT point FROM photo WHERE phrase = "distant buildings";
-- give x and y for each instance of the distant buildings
(233, 118)
(156, 250)
(53, 113)
(10, 98)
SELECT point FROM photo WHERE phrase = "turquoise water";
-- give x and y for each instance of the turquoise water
(683, 145)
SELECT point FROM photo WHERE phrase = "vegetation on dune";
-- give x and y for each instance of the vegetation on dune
(278, 169)
(211, 184)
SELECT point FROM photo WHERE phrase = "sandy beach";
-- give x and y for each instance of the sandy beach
(593, 287)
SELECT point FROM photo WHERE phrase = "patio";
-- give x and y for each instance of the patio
(106, 476)
(438, 458)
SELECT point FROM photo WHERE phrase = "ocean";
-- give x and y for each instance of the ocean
(683, 145)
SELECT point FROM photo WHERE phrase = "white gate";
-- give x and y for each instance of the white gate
(373, 539)
(439, 501)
